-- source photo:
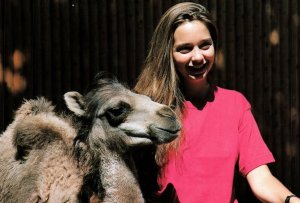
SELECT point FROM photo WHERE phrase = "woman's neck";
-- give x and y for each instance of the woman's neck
(199, 93)
(196, 91)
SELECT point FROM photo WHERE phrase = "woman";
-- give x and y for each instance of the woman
(219, 130)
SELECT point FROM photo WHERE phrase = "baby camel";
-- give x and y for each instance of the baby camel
(51, 157)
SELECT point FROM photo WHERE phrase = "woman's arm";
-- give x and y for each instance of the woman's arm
(267, 188)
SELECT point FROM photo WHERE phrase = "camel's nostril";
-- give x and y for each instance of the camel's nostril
(167, 112)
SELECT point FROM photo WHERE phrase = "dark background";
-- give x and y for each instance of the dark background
(48, 47)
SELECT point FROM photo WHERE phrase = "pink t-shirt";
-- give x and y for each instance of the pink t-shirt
(221, 135)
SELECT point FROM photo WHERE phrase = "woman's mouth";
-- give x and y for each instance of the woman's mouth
(196, 72)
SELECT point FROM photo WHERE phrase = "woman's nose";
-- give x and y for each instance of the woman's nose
(197, 55)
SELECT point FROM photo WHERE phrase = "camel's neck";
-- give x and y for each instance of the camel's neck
(118, 179)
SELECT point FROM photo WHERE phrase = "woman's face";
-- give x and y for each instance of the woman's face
(193, 51)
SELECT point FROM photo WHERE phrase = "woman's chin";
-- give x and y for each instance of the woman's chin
(195, 77)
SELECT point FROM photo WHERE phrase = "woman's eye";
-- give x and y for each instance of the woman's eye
(205, 46)
(184, 50)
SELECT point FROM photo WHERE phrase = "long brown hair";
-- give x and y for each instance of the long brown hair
(159, 78)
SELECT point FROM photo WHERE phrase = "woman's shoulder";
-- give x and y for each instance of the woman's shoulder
(231, 96)
(221, 91)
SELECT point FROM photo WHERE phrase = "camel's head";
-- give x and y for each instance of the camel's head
(115, 112)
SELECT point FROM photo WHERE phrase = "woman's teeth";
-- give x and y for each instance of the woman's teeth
(196, 72)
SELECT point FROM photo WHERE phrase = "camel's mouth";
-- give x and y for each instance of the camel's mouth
(155, 135)
(162, 135)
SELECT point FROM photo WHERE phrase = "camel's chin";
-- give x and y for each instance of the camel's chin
(132, 141)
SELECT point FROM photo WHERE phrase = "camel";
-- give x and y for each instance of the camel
(71, 156)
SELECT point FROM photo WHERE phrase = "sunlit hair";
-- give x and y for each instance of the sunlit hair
(159, 78)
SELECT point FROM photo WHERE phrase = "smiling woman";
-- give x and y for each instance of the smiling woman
(219, 130)
(193, 56)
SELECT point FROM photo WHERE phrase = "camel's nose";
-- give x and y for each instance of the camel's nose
(169, 116)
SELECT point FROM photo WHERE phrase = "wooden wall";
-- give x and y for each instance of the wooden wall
(48, 47)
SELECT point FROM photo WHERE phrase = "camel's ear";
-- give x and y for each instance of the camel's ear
(75, 103)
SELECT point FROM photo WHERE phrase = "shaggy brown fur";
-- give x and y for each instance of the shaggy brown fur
(46, 157)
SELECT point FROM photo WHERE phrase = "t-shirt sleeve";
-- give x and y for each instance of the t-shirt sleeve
(253, 152)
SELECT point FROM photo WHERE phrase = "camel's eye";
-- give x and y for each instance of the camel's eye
(117, 114)
(118, 111)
